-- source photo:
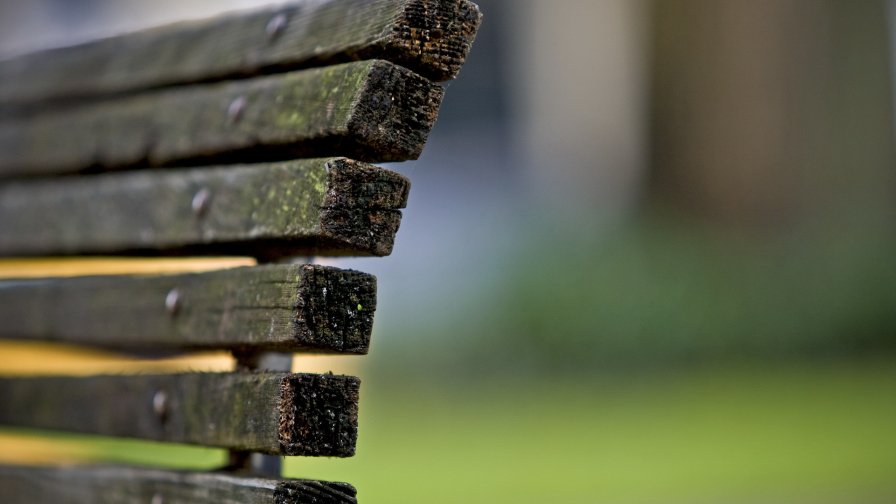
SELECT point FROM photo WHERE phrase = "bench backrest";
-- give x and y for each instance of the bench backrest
(246, 135)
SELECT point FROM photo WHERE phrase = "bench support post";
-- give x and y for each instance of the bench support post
(258, 463)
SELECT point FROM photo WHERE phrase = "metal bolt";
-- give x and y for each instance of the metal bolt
(235, 110)
(200, 201)
(160, 403)
(156, 499)
(172, 301)
(275, 26)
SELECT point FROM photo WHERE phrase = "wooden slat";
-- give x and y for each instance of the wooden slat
(275, 307)
(311, 207)
(133, 485)
(275, 413)
(431, 37)
(371, 111)
(44, 267)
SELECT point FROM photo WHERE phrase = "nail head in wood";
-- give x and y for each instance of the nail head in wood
(160, 407)
(172, 302)
(157, 499)
(276, 26)
(200, 201)
(235, 110)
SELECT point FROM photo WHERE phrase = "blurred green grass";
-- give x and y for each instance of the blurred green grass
(808, 432)
(661, 292)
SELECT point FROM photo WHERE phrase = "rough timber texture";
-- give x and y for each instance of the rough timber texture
(431, 37)
(133, 485)
(310, 207)
(263, 308)
(276, 413)
(371, 111)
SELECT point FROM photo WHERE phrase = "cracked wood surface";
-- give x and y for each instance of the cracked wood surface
(431, 37)
(287, 308)
(274, 413)
(309, 207)
(136, 485)
(370, 111)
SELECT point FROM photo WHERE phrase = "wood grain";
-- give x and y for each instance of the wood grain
(310, 207)
(371, 111)
(274, 413)
(431, 37)
(135, 485)
(287, 308)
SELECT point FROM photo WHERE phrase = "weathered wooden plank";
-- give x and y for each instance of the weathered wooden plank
(263, 308)
(310, 207)
(370, 110)
(134, 485)
(431, 37)
(275, 413)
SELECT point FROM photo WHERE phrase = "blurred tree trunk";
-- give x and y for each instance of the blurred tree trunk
(579, 93)
(773, 113)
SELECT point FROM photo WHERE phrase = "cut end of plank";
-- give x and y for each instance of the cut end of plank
(377, 230)
(297, 492)
(360, 208)
(394, 114)
(335, 308)
(353, 184)
(319, 415)
(435, 36)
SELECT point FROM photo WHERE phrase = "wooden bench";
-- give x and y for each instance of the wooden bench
(246, 135)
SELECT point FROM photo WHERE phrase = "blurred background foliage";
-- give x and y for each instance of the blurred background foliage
(648, 257)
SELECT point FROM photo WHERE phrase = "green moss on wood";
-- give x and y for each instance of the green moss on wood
(371, 111)
(431, 37)
(244, 209)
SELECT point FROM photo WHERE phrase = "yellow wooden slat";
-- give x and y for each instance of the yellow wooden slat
(21, 449)
(65, 267)
(20, 358)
